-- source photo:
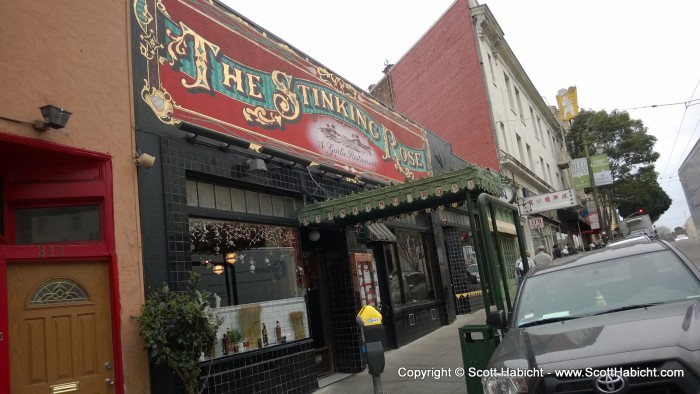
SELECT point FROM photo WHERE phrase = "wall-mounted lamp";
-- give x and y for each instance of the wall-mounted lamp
(231, 258)
(314, 235)
(256, 166)
(193, 131)
(53, 118)
(145, 161)
(334, 170)
(276, 153)
(373, 181)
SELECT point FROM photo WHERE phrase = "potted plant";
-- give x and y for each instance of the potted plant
(178, 327)
(235, 336)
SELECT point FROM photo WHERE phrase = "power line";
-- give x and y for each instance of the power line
(679, 131)
(686, 103)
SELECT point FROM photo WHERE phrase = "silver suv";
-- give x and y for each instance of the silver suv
(614, 321)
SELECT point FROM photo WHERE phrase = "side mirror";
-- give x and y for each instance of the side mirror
(496, 319)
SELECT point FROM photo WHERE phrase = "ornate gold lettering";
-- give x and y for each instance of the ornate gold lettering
(236, 77)
(200, 47)
(336, 82)
(327, 100)
(286, 101)
(253, 86)
(304, 94)
(286, 104)
(340, 106)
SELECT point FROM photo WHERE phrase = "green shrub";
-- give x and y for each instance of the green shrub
(178, 326)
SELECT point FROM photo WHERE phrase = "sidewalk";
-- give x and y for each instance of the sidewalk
(439, 353)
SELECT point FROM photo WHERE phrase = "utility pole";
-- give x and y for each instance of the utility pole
(596, 200)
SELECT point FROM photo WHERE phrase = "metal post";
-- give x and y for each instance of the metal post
(601, 218)
(377, 384)
(480, 248)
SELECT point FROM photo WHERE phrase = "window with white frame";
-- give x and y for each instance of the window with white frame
(505, 138)
(520, 105)
(544, 174)
(520, 148)
(532, 119)
(510, 92)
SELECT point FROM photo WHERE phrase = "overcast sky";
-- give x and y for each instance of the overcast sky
(620, 54)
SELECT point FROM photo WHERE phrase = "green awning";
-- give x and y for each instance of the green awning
(436, 191)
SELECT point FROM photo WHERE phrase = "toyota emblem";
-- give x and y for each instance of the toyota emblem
(609, 384)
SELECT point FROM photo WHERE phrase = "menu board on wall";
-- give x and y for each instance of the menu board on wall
(364, 275)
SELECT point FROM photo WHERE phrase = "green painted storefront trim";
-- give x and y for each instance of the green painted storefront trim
(439, 190)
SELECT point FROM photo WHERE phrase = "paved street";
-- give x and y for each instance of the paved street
(690, 247)
(439, 351)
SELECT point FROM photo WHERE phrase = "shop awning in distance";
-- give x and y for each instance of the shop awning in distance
(432, 192)
(380, 232)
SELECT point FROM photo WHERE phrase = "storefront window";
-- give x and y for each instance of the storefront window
(264, 287)
(265, 267)
(411, 279)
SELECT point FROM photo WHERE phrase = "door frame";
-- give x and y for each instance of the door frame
(103, 250)
(387, 308)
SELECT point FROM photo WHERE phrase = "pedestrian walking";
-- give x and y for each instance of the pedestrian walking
(520, 268)
(556, 252)
(541, 257)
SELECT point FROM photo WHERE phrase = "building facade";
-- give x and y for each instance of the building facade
(70, 247)
(688, 172)
(478, 97)
(254, 141)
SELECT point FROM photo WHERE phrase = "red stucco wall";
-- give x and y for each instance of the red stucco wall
(439, 84)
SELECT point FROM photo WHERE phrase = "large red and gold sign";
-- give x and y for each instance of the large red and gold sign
(209, 67)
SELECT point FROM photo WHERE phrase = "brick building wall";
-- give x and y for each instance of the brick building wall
(439, 84)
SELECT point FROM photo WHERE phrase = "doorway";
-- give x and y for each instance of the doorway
(382, 261)
(318, 296)
(60, 327)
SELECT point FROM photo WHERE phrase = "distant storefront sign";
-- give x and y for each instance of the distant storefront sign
(536, 222)
(593, 220)
(579, 173)
(567, 100)
(550, 201)
(600, 167)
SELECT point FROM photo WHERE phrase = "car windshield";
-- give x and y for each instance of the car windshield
(624, 283)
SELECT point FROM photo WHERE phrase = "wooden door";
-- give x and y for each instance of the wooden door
(60, 328)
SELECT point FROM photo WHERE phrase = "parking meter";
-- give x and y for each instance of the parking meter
(370, 320)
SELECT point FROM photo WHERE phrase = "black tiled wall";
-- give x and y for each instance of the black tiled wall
(288, 368)
(346, 331)
(180, 157)
(413, 322)
(291, 369)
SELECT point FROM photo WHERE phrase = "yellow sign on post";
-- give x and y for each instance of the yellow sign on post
(567, 100)
(369, 316)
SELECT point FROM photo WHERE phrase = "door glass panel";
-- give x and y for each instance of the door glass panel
(59, 291)
(57, 224)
